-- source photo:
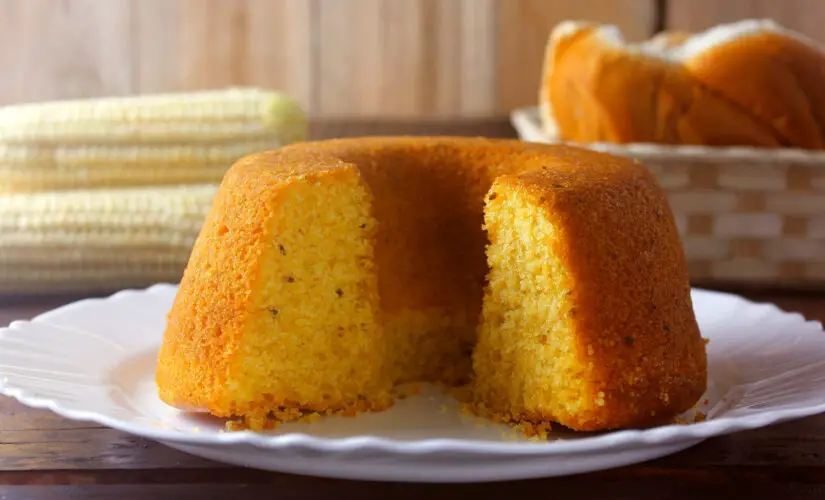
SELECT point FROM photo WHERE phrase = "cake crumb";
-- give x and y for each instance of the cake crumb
(310, 417)
(407, 390)
(271, 419)
(535, 430)
(522, 428)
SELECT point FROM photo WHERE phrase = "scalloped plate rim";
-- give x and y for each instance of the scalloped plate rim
(669, 434)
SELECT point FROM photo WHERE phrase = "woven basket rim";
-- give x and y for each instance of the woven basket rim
(528, 125)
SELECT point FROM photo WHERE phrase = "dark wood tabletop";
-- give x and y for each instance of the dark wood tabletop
(44, 456)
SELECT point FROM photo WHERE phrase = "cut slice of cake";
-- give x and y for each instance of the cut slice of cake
(278, 310)
(587, 319)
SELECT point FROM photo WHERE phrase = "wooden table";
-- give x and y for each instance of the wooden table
(46, 456)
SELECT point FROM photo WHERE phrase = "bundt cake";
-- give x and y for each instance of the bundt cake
(327, 273)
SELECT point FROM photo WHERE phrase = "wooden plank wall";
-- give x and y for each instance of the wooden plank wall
(396, 59)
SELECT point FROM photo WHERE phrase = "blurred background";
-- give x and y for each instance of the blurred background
(94, 199)
(341, 59)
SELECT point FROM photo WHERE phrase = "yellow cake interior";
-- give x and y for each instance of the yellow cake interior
(526, 361)
(315, 336)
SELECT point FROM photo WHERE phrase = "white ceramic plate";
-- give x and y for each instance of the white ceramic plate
(94, 360)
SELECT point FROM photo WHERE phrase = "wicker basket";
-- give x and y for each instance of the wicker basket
(747, 217)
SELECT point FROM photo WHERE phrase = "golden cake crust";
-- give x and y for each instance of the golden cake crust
(428, 201)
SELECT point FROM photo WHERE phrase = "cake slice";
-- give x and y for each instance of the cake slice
(587, 318)
(277, 312)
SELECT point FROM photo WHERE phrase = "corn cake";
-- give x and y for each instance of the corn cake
(397, 224)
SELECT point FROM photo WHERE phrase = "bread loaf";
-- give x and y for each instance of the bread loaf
(748, 83)
(775, 74)
(669, 39)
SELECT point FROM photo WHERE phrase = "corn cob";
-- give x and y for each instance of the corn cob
(103, 239)
(140, 140)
